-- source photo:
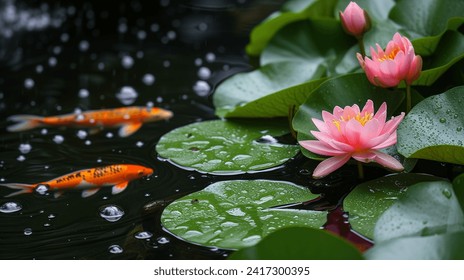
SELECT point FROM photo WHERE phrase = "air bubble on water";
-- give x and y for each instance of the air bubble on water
(143, 235)
(109, 135)
(115, 249)
(201, 88)
(51, 216)
(10, 207)
(83, 93)
(139, 144)
(42, 189)
(88, 142)
(162, 240)
(29, 83)
(58, 139)
(82, 134)
(44, 131)
(25, 148)
(39, 69)
(122, 27)
(141, 35)
(127, 95)
(127, 61)
(150, 104)
(159, 99)
(101, 66)
(57, 50)
(21, 158)
(111, 213)
(171, 35)
(64, 37)
(52, 61)
(226, 67)
(202, 26)
(27, 231)
(140, 54)
(84, 45)
(166, 63)
(210, 57)
(148, 79)
(204, 73)
(198, 61)
(154, 27)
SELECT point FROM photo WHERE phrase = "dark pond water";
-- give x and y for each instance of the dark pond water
(64, 58)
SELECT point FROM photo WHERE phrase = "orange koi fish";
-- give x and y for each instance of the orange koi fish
(90, 180)
(129, 119)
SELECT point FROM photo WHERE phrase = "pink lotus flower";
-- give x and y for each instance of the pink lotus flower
(355, 20)
(351, 133)
(397, 63)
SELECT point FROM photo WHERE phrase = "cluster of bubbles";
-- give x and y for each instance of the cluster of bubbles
(14, 18)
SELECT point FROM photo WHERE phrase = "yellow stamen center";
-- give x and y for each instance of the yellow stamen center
(361, 119)
(391, 55)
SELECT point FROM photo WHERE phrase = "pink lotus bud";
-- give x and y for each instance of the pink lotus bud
(355, 21)
(353, 133)
(397, 63)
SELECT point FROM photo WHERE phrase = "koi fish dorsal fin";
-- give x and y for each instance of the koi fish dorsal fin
(25, 122)
(23, 188)
(89, 192)
(129, 129)
(119, 187)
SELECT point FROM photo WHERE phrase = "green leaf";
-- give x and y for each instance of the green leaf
(293, 11)
(300, 244)
(237, 214)
(226, 147)
(368, 201)
(450, 51)
(458, 187)
(438, 247)
(319, 42)
(341, 91)
(433, 128)
(412, 214)
(260, 92)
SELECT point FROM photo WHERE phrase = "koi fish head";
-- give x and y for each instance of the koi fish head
(137, 171)
(157, 114)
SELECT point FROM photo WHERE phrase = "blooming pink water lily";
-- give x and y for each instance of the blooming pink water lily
(351, 133)
(355, 20)
(397, 63)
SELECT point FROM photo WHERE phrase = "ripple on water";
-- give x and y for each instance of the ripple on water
(111, 213)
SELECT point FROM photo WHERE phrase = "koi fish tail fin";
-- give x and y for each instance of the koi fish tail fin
(25, 122)
(23, 188)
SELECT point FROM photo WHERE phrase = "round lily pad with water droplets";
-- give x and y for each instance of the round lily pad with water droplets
(229, 146)
(369, 200)
(238, 214)
(433, 129)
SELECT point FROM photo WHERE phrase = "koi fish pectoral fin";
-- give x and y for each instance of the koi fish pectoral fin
(129, 129)
(119, 187)
(89, 192)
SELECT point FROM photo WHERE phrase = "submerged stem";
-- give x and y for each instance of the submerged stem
(360, 171)
(408, 98)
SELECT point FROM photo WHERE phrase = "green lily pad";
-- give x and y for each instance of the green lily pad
(437, 247)
(302, 42)
(266, 92)
(227, 147)
(300, 244)
(433, 129)
(292, 11)
(412, 215)
(237, 214)
(368, 201)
